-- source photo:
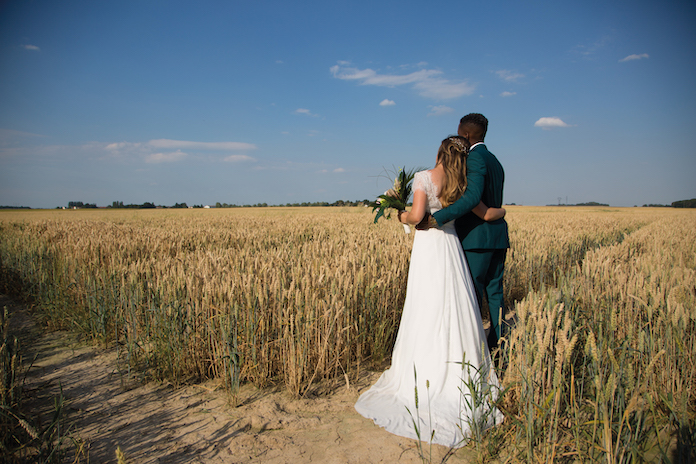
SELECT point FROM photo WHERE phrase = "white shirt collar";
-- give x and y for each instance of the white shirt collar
(475, 145)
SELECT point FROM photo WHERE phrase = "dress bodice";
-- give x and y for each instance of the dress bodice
(423, 180)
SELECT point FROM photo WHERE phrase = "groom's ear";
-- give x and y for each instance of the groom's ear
(462, 131)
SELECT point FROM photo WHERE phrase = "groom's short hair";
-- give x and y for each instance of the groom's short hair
(478, 120)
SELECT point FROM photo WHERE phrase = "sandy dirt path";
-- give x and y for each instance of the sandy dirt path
(157, 423)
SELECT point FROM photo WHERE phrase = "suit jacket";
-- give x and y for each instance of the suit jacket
(485, 177)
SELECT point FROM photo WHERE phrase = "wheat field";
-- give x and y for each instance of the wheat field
(599, 366)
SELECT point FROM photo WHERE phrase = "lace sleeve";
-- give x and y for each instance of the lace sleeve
(423, 181)
(420, 182)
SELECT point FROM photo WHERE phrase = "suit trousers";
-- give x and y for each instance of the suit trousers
(486, 268)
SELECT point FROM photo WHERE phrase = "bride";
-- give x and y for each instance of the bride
(441, 365)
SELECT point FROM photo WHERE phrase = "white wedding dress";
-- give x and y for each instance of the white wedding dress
(440, 327)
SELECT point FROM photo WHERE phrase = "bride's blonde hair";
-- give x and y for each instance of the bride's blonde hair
(452, 156)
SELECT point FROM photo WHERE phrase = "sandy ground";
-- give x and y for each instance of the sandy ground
(158, 423)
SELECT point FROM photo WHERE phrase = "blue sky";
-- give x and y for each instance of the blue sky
(284, 102)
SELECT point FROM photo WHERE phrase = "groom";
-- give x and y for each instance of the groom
(485, 244)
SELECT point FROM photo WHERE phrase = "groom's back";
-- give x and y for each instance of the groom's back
(492, 195)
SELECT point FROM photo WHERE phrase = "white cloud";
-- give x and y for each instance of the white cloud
(168, 151)
(550, 123)
(370, 77)
(8, 134)
(31, 47)
(122, 146)
(589, 50)
(425, 81)
(442, 89)
(339, 170)
(238, 158)
(508, 94)
(634, 57)
(172, 144)
(165, 157)
(440, 110)
(305, 111)
(386, 102)
(509, 76)
(153, 152)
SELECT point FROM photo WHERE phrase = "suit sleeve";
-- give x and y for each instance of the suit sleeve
(475, 173)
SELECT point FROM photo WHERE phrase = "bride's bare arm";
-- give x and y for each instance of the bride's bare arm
(417, 210)
(488, 214)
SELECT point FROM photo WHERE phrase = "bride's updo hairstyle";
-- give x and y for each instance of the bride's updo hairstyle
(452, 156)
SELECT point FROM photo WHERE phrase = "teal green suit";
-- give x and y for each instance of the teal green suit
(485, 243)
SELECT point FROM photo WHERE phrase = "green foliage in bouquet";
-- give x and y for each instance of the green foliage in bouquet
(396, 197)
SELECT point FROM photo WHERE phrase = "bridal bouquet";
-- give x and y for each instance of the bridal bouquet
(396, 197)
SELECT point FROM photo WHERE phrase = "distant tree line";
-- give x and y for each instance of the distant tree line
(675, 204)
(589, 203)
(147, 205)
(14, 207)
(79, 204)
(317, 203)
(684, 203)
(119, 204)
